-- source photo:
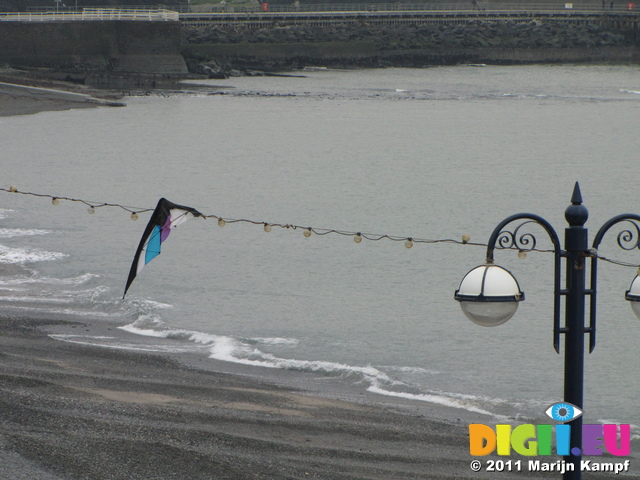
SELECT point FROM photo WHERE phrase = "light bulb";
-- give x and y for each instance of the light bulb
(357, 238)
(307, 232)
(91, 210)
(221, 222)
(522, 254)
(408, 243)
(55, 201)
(267, 227)
(134, 216)
(13, 189)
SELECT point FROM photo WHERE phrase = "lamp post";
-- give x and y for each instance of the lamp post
(489, 294)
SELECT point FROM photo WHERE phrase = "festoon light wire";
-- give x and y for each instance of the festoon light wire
(409, 241)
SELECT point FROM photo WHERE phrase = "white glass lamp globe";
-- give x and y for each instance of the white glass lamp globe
(633, 295)
(489, 295)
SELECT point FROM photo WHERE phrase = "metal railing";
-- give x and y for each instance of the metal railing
(92, 14)
(434, 6)
(222, 6)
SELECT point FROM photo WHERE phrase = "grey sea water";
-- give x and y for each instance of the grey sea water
(425, 153)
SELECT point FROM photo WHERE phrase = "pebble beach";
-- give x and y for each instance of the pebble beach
(76, 411)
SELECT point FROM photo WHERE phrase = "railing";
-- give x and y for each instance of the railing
(222, 6)
(435, 6)
(92, 14)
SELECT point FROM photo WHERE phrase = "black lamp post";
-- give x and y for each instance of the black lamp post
(489, 294)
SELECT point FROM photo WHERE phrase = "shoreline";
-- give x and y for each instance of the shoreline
(21, 95)
(72, 411)
(78, 411)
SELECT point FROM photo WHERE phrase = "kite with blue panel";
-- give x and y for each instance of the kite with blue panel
(166, 216)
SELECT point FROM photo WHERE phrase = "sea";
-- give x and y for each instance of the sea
(431, 154)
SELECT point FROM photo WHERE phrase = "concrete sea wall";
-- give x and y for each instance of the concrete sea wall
(100, 47)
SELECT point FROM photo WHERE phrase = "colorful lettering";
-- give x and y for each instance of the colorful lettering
(611, 440)
(532, 440)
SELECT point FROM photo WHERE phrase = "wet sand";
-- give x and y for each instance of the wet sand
(20, 99)
(76, 411)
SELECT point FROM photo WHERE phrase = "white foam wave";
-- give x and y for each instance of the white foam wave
(33, 299)
(51, 300)
(229, 349)
(438, 399)
(635, 92)
(154, 304)
(21, 232)
(22, 255)
(59, 311)
(12, 289)
(147, 332)
(105, 342)
(4, 213)
(145, 312)
(275, 341)
(416, 370)
(74, 281)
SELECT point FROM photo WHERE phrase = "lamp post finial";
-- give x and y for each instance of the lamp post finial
(576, 214)
(576, 198)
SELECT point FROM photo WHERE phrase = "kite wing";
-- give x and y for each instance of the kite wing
(166, 216)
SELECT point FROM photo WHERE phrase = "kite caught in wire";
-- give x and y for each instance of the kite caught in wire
(165, 217)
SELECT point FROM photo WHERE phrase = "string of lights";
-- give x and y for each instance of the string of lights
(357, 236)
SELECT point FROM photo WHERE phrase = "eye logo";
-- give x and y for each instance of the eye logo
(563, 412)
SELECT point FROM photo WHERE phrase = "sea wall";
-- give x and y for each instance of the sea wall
(478, 41)
(120, 47)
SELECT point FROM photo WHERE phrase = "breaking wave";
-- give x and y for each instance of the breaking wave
(20, 232)
(246, 351)
(23, 255)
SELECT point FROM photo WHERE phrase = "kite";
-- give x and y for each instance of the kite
(166, 216)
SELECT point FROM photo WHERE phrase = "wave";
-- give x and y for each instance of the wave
(415, 370)
(21, 232)
(233, 350)
(73, 312)
(431, 398)
(245, 351)
(54, 295)
(13, 255)
(33, 299)
(22, 255)
(34, 279)
(116, 344)
(4, 213)
(45, 296)
(272, 341)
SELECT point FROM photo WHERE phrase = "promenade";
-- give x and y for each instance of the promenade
(263, 19)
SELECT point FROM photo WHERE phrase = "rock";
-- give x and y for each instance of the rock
(529, 34)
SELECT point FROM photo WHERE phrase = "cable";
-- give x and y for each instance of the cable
(307, 231)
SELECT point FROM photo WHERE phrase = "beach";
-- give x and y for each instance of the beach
(77, 411)
(21, 95)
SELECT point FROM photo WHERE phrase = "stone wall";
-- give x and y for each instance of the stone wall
(504, 41)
